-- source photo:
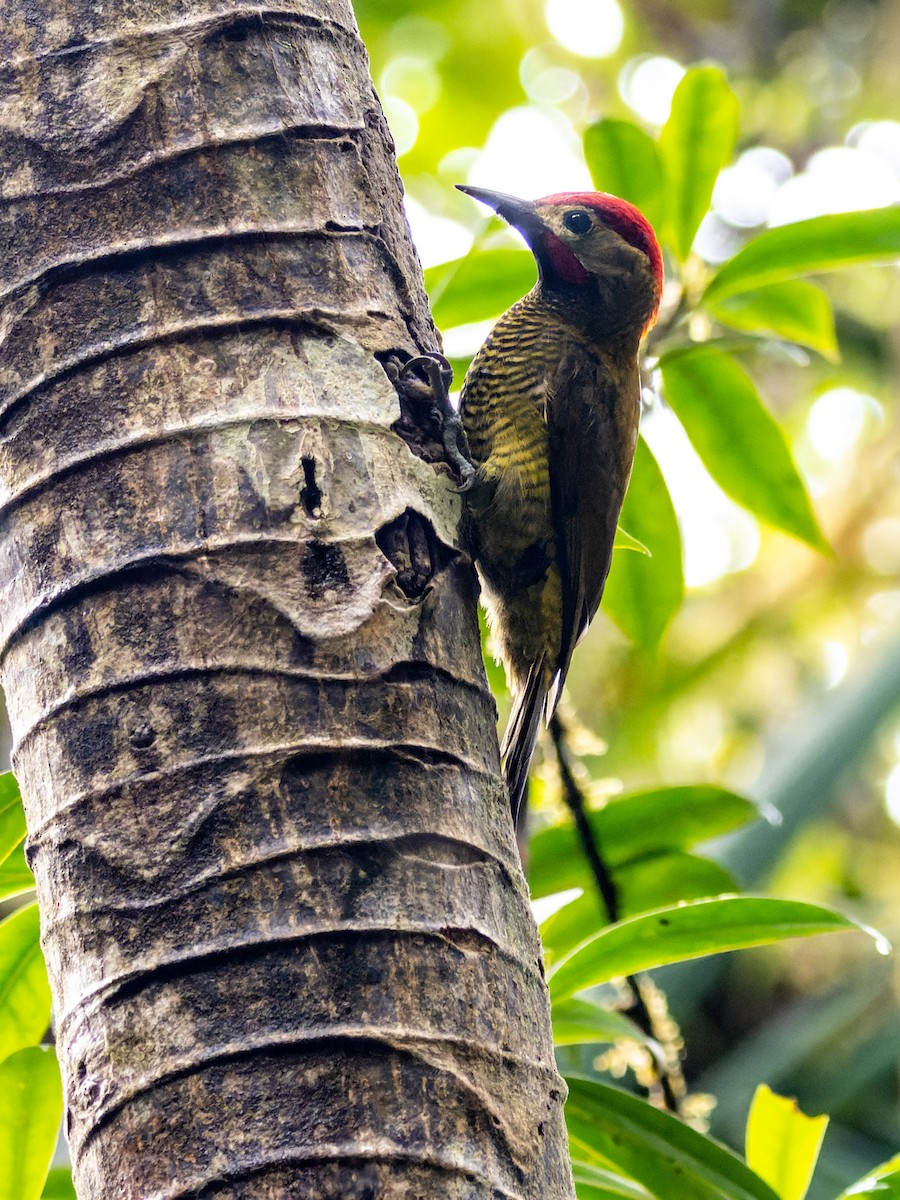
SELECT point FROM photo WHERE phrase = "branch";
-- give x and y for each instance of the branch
(669, 1078)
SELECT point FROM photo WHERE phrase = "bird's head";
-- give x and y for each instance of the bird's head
(590, 243)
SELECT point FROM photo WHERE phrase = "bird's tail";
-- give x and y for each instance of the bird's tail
(522, 733)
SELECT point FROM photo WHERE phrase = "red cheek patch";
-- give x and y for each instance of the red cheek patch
(565, 265)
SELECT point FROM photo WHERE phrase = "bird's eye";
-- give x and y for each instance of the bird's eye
(577, 221)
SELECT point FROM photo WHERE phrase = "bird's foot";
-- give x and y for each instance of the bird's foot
(439, 375)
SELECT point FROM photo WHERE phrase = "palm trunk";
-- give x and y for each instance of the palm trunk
(286, 928)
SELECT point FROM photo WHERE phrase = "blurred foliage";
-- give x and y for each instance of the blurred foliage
(771, 667)
(775, 672)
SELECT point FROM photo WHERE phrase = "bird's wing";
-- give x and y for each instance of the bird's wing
(592, 415)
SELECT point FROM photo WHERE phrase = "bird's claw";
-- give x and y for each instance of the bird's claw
(439, 374)
(436, 369)
(469, 478)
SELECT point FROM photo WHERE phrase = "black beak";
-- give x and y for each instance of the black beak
(518, 213)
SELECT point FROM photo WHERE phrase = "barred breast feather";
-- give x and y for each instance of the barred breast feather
(545, 411)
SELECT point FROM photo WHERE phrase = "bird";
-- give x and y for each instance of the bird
(550, 408)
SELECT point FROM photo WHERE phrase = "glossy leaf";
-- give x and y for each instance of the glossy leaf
(651, 883)
(671, 1160)
(59, 1185)
(581, 1021)
(624, 541)
(30, 1112)
(576, 922)
(795, 310)
(496, 676)
(24, 990)
(643, 593)
(624, 160)
(881, 1184)
(696, 141)
(819, 244)
(738, 440)
(15, 874)
(591, 1191)
(597, 1183)
(783, 1143)
(633, 827)
(459, 366)
(663, 879)
(482, 285)
(686, 931)
(12, 815)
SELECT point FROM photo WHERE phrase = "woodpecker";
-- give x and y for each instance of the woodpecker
(550, 407)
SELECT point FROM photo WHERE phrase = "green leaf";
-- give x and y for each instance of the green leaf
(24, 990)
(496, 676)
(597, 1183)
(664, 879)
(483, 284)
(783, 1143)
(633, 827)
(624, 160)
(671, 1160)
(881, 1184)
(644, 593)
(738, 440)
(696, 142)
(460, 368)
(12, 815)
(59, 1185)
(574, 923)
(30, 1112)
(590, 1191)
(624, 541)
(819, 244)
(690, 930)
(795, 310)
(15, 874)
(651, 883)
(579, 1021)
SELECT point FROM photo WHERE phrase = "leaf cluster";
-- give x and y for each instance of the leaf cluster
(30, 1088)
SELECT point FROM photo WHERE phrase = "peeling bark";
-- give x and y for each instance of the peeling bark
(286, 927)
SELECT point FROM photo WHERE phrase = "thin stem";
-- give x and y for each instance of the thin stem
(671, 1082)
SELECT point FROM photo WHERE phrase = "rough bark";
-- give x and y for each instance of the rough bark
(287, 932)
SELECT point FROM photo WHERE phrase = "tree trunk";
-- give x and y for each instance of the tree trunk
(287, 932)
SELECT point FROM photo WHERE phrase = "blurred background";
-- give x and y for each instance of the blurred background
(779, 676)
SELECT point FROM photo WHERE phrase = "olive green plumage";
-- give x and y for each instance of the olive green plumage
(503, 409)
(550, 407)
